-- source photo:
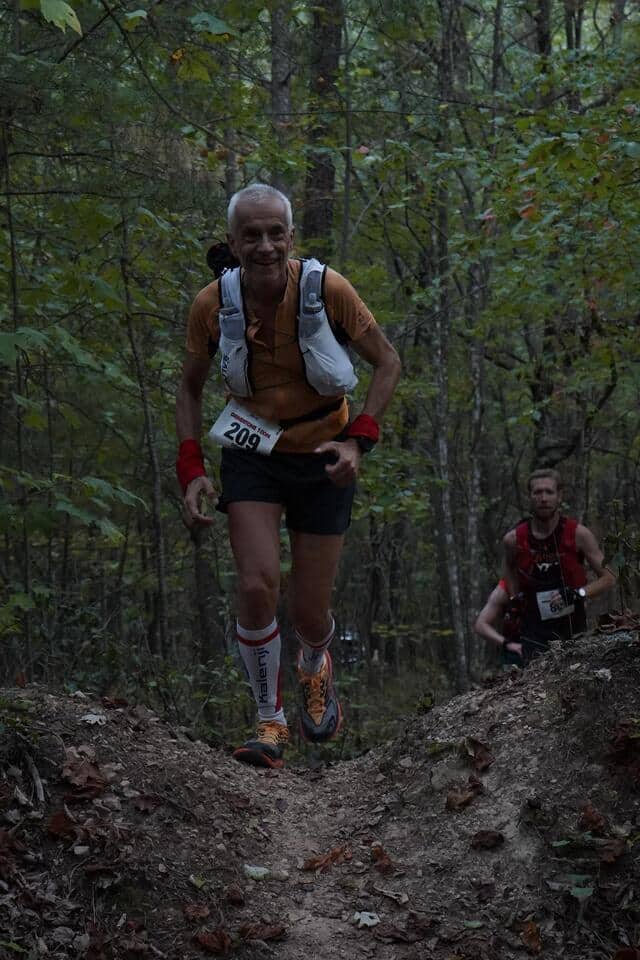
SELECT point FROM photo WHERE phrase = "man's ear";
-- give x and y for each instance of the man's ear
(292, 234)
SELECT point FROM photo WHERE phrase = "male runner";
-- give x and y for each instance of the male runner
(545, 561)
(288, 447)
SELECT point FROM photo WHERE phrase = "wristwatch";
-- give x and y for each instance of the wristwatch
(581, 593)
(366, 444)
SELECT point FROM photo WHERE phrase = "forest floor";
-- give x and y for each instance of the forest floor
(503, 824)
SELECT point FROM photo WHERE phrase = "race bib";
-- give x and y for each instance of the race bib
(239, 429)
(552, 609)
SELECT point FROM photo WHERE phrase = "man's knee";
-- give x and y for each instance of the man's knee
(311, 624)
(259, 590)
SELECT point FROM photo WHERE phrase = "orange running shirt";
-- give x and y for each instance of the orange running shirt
(281, 391)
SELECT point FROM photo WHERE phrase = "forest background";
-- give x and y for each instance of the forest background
(473, 168)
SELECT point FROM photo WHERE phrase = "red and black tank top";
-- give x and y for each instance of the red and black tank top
(546, 565)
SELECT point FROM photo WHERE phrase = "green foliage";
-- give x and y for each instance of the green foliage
(122, 142)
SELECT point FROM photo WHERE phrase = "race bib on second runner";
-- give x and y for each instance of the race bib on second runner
(552, 609)
(239, 429)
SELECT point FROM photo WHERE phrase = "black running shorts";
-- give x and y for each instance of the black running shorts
(312, 503)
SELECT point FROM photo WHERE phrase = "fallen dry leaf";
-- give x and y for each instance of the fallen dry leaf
(592, 820)
(337, 855)
(61, 825)
(610, 850)
(530, 937)
(460, 797)
(113, 703)
(481, 755)
(235, 895)
(390, 933)
(262, 931)
(145, 803)
(627, 953)
(381, 860)
(21, 679)
(487, 840)
(213, 941)
(196, 911)
(83, 775)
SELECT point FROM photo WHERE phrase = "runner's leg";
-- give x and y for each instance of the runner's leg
(315, 559)
(254, 530)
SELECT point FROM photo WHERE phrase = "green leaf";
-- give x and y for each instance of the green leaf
(207, 23)
(133, 19)
(581, 893)
(60, 14)
(21, 339)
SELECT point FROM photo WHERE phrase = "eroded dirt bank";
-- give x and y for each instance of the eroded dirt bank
(504, 824)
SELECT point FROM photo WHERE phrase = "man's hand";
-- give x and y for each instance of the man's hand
(345, 469)
(512, 647)
(199, 489)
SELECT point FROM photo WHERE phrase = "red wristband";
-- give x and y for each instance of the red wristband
(364, 426)
(190, 463)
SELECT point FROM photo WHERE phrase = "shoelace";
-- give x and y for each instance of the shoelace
(273, 733)
(314, 690)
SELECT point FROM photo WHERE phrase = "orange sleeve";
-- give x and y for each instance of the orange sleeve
(202, 326)
(344, 307)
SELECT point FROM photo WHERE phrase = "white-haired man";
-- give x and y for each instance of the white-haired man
(288, 447)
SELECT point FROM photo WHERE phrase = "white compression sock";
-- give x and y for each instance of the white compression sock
(260, 652)
(313, 654)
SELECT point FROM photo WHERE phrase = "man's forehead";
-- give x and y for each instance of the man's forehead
(269, 208)
(544, 483)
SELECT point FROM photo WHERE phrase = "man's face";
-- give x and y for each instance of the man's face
(545, 498)
(261, 240)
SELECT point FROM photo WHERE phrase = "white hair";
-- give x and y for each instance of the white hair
(258, 192)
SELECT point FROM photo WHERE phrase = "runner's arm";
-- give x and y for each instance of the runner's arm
(189, 427)
(488, 616)
(605, 579)
(189, 398)
(510, 566)
(374, 347)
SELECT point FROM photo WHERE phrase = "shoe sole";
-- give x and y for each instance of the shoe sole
(307, 739)
(257, 759)
(323, 739)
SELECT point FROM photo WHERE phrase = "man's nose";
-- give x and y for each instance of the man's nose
(265, 242)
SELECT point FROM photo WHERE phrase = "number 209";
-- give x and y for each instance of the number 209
(242, 436)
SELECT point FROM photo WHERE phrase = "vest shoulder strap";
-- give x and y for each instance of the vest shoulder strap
(568, 538)
(230, 289)
(311, 281)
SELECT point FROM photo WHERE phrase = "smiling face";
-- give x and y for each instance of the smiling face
(262, 241)
(545, 497)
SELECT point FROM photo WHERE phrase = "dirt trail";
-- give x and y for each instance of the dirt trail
(502, 825)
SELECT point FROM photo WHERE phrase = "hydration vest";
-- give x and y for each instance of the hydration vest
(327, 366)
(554, 561)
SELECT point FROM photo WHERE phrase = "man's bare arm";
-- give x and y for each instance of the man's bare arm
(510, 566)
(189, 426)
(487, 618)
(189, 398)
(605, 578)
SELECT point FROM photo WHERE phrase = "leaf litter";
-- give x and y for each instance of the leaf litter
(147, 803)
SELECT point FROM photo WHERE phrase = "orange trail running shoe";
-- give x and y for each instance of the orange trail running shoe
(320, 710)
(267, 747)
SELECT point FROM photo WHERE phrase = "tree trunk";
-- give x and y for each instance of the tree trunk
(156, 477)
(281, 72)
(441, 331)
(317, 224)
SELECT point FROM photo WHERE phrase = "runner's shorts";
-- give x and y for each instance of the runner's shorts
(312, 503)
